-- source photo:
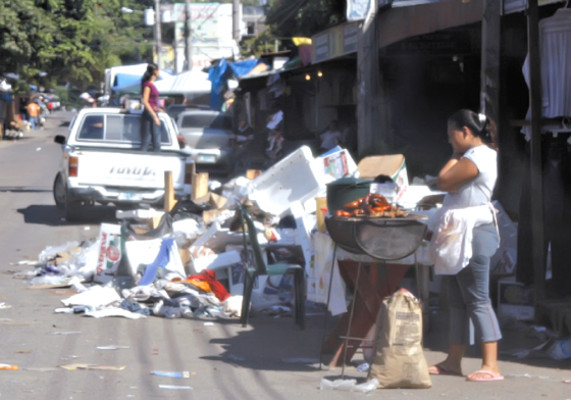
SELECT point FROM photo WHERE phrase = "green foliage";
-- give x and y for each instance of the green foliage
(73, 41)
(288, 18)
(58, 42)
(256, 46)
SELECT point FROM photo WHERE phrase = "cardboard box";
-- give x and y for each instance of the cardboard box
(515, 300)
(109, 252)
(392, 165)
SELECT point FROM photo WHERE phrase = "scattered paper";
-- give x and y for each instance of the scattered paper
(96, 296)
(175, 387)
(97, 367)
(66, 333)
(114, 312)
(112, 347)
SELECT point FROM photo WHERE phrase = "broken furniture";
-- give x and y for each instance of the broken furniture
(256, 266)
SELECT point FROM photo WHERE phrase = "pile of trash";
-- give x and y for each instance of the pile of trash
(189, 262)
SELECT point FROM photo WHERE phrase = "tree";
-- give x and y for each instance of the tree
(72, 40)
(303, 17)
(290, 18)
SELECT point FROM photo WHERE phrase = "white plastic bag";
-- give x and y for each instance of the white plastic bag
(449, 247)
(451, 244)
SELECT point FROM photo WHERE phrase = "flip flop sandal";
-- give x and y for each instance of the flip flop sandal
(484, 376)
(440, 369)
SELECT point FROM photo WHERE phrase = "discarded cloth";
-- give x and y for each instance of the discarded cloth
(209, 277)
(165, 259)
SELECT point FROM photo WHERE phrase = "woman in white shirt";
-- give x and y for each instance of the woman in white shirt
(469, 178)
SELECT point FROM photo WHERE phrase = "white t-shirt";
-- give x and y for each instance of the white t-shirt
(479, 190)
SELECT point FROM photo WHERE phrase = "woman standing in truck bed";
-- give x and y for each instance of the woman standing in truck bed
(150, 131)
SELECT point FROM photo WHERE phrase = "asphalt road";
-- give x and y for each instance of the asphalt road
(270, 359)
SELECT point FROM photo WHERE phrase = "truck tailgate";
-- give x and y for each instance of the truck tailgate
(128, 169)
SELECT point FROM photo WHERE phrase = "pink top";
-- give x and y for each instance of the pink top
(153, 96)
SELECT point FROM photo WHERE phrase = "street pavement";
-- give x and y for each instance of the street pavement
(269, 359)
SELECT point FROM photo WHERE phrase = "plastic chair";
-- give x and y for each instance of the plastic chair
(256, 266)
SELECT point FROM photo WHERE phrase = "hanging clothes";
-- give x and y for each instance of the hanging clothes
(555, 59)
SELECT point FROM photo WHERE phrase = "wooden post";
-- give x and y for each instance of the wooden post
(199, 185)
(490, 63)
(371, 116)
(169, 192)
(535, 174)
(189, 171)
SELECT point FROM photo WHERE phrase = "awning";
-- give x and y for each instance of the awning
(405, 19)
(411, 18)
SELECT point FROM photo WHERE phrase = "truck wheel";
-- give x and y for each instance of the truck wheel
(71, 209)
(59, 192)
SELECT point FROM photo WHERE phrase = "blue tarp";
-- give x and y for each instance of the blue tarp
(241, 68)
(220, 74)
(6, 97)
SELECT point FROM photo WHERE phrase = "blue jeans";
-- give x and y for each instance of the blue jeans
(469, 295)
(34, 122)
(150, 133)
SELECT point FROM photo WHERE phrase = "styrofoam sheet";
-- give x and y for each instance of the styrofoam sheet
(216, 261)
(295, 178)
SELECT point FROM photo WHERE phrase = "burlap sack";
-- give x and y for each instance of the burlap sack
(399, 360)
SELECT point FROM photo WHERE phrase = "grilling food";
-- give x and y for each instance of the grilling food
(372, 205)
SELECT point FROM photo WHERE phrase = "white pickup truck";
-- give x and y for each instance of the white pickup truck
(102, 162)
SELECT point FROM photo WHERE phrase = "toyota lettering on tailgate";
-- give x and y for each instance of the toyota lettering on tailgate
(135, 171)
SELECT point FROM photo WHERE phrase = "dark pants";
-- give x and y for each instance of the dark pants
(150, 133)
(556, 191)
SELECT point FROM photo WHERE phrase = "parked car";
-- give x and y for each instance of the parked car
(174, 110)
(209, 135)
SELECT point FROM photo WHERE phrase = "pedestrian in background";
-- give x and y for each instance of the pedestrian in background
(469, 178)
(33, 110)
(150, 124)
(331, 137)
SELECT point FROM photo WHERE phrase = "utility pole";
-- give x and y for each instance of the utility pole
(188, 35)
(371, 117)
(236, 20)
(158, 38)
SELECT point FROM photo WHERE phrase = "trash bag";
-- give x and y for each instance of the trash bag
(399, 359)
(184, 209)
(163, 229)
